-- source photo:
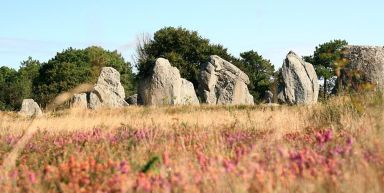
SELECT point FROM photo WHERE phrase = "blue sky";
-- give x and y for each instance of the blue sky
(272, 27)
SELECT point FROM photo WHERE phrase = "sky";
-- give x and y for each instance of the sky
(271, 27)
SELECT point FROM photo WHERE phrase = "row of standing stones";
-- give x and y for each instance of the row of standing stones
(220, 83)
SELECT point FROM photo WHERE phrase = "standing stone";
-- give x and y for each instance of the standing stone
(108, 91)
(300, 84)
(79, 100)
(30, 108)
(165, 87)
(132, 100)
(365, 65)
(223, 83)
(268, 97)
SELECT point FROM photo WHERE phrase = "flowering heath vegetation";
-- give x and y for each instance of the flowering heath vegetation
(330, 147)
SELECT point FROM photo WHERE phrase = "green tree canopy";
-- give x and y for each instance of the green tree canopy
(325, 60)
(185, 49)
(17, 85)
(77, 66)
(27, 73)
(259, 71)
(6, 77)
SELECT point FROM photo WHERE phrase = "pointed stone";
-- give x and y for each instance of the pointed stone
(108, 91)
(166, 87)
(300, 84)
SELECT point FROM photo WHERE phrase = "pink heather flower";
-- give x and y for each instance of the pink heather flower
(10, 139)
(165, 158)
(349, 141)
(323, 137)
(229, 166)
(198, 178)
(14, 174)
(32, 177)
(328, 135)
(202, 159)
(124, 167)
(282, 152)
(143, 183)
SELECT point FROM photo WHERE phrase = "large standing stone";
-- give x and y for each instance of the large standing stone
(108, 91)
(365, 64)
(30, 108)
(223, 83)
(165, 86)
(300, 84)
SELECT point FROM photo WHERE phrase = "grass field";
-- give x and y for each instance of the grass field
(336, 146)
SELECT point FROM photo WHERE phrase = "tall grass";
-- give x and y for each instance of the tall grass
(336, 146)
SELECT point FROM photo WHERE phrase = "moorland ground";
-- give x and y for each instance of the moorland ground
(336, 146)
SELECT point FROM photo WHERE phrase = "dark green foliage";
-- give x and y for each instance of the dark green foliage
(17, 85)
(151, 164)
(6, 77)
(73, 67)
(259, 71)
(185, 50)
(28, 73)
(325, 60)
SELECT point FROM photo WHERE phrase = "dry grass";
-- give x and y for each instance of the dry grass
(280, 118)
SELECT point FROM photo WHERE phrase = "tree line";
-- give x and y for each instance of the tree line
(185, 49)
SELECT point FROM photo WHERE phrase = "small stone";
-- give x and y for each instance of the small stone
(268, 97)
(30, 108)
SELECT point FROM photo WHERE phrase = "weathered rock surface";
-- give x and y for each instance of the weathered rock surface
(30, 108)
(132, 100)
(108, 91)
(165, 87)
(367, 62)
(300, 84)
(79, 100)
(268, 96)
(223, 83)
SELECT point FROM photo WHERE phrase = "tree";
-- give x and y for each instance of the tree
(17, 85)
(73, 67)
(185, 50)
(27, 73)
(259, 71)
(325, 60)
(6, 77)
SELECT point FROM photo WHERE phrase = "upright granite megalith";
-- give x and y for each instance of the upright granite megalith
(108, 91)
(299, 81)
(365, 64)
(223, 83)
(30, 108)
(164, 86)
